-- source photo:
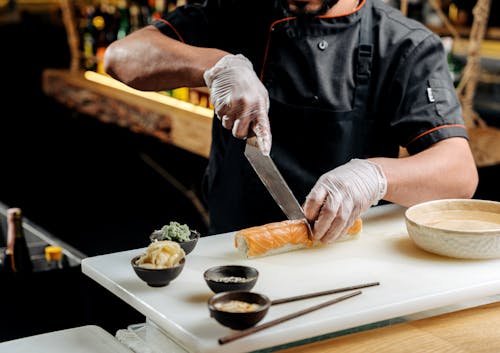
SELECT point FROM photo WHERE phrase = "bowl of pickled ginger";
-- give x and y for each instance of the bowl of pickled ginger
(160, 264)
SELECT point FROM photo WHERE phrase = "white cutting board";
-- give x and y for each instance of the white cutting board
(411, 281)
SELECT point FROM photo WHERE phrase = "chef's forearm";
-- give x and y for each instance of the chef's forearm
(445, 170)
(150, 61)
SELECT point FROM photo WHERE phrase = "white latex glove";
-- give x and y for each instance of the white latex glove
(240, 99)
(341, 195)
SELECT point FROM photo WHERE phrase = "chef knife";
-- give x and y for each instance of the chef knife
(274, 181)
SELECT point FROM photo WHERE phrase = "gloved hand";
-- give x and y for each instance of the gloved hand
(240, 100)
(341, 195)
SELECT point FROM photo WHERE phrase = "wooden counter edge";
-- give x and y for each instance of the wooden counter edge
(474, 330)
(179, 123)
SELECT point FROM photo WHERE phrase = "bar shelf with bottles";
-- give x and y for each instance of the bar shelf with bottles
(101, 23)
(182, 117)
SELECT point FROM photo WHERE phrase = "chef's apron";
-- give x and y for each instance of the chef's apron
(309, 139)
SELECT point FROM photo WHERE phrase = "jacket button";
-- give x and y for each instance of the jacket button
(322, 45)
(315, 100)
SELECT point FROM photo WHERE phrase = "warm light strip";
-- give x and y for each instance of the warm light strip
(158, 97)
(489, 49)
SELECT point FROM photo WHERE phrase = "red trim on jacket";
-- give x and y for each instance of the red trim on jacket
(360, 5)
(434, 129)
(173, 29)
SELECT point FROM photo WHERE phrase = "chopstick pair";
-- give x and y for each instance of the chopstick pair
(326, 292)
(251, 330)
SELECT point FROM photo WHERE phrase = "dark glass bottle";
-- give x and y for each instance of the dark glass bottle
(136, 17)
(124, 19)
(4, 257)
(89, 34)
(17, 256)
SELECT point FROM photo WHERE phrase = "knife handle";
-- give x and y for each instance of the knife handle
(252, 138)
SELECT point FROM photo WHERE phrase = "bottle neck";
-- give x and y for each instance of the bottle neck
(12, 233)
(17, 247)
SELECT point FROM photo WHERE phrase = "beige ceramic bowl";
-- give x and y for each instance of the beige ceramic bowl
(462, 228)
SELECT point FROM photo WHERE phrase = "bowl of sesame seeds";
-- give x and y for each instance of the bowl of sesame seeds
(230, 277)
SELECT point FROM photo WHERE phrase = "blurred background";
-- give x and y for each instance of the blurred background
(80, 180)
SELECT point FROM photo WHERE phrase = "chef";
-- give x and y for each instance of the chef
(331, 88)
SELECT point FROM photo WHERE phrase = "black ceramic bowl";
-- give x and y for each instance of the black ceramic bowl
(238, 320)
(230, 277)
(187, 246)
(220, 302)
(157, 277)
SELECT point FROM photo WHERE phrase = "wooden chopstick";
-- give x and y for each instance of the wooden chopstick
(249, 331)
(317, 294)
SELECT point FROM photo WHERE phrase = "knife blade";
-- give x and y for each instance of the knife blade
(273, 181)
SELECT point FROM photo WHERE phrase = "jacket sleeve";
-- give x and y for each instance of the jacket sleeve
(188, 24)
(429, 109)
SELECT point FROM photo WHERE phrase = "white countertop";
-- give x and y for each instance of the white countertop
(83, 339)
(411, 281)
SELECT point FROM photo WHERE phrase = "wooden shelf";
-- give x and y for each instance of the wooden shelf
(489, 49)
(172, 121)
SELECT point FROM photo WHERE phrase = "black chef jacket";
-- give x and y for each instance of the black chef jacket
(357, 85)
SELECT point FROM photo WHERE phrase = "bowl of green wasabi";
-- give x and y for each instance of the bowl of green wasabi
(180, 233)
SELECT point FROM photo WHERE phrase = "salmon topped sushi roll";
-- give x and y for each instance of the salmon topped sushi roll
(279, 237)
